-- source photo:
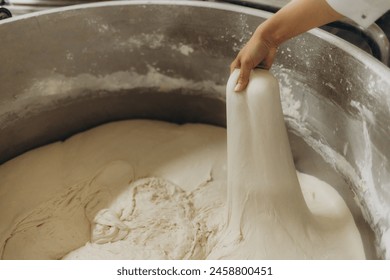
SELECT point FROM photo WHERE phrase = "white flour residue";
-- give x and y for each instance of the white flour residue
(183, 49)
(104, 28)
(153, 41)
(367, 114)
(100, 24)
(377, 207)
(292, 108)
(245, 32)
(59, 84)
(69, 55)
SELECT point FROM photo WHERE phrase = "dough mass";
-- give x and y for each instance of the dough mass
(142, 189)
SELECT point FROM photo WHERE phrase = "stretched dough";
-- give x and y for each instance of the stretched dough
(266, 207)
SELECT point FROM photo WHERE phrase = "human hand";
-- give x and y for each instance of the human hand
(257, 51)
(296, 17)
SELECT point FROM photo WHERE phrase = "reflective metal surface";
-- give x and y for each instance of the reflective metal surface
(70, 69)
(372, 39)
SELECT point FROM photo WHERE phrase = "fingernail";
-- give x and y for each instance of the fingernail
(238, 87)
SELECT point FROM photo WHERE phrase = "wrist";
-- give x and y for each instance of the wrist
(266, 36)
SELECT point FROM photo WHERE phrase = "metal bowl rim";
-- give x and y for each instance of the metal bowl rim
(370, 62)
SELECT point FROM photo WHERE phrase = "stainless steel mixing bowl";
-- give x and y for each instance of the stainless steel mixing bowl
(73, 68)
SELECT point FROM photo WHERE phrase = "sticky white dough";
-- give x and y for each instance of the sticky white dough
(154, 190)
(266, 207)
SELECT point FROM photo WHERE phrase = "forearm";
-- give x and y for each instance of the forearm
(295, 18)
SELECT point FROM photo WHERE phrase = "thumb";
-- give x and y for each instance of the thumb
(243, 78)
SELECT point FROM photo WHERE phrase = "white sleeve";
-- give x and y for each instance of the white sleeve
(363, 12)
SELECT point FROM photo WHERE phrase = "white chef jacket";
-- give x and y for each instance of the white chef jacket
(363, 12)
